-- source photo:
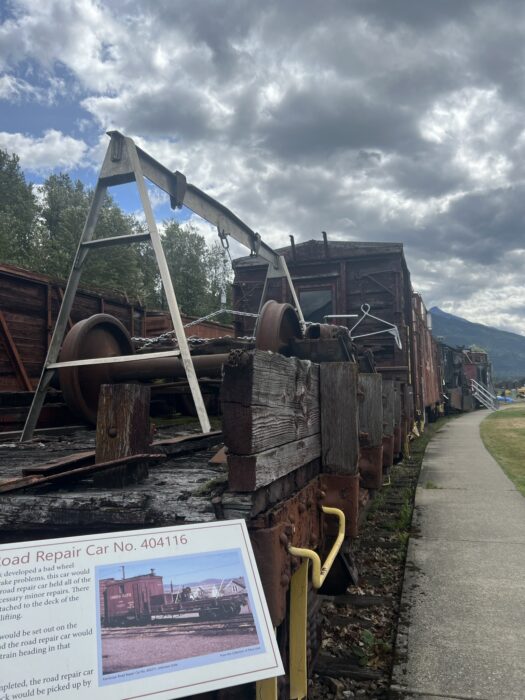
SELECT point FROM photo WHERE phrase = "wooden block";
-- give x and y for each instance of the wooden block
(268, 400)
(371, 408)
(122, 421)
(397, 403)
(388, 407)
(250, 472)
(319, 349)
(339, 417)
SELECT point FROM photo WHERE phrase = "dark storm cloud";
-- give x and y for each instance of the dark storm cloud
(386, 120)
(424, 174)
(417, 14)
(324, 119)
(180, 112)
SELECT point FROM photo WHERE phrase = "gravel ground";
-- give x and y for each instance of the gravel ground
(121, 652)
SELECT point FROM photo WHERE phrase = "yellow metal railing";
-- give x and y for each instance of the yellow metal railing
(299, 604)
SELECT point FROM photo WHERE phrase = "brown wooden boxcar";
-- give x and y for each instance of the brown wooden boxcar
(29, 305)
(334, 277)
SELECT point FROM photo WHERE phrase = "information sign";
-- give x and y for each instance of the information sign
(166, 613)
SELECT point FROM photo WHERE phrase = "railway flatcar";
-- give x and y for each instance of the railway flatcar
(142, 600)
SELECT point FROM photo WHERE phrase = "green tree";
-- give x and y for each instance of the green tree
(18, 210)
(64, 211)
(219, 275)
(43, 236)
(187, 257)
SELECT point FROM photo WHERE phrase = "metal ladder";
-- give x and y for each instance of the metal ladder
(483, 395)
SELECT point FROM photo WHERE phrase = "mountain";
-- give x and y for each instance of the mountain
(506, 350)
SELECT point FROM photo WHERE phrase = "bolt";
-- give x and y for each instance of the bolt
(112, 432)
(285, 580)
(283, 539)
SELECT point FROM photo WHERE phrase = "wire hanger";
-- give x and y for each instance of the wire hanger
(392, 328)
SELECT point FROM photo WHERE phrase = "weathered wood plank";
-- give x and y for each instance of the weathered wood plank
(25, 482)
(250, 504)
(170, 495)
(51, 515)
(122, 421)
(339, 417)
(397, 403)
(251, 472)
(268, 400)
(371, 408)
(388, 406)
(62, 464)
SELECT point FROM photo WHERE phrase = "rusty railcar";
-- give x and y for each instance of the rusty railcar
(130, 600)
(370, 281)
(29, 305)
(426, 362)
(460, 365)
(142, 600)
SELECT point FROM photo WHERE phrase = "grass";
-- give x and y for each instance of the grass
(431, 485)
(503, 434)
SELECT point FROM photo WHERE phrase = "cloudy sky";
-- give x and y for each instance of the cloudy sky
(377, 120)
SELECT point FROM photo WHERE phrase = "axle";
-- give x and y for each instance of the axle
(103, 336)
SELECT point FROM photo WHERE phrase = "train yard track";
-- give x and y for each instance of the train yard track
(239, 624)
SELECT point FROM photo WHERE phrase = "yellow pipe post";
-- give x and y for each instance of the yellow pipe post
(299, 604)
(266, 689)
(298, 632)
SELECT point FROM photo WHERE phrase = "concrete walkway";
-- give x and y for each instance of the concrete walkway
(462, 633)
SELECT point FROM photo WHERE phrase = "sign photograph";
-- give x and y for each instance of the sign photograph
(168, 612)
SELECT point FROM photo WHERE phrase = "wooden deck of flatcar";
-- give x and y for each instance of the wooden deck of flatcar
(177, 489)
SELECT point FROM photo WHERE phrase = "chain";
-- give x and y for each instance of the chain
(195, 340)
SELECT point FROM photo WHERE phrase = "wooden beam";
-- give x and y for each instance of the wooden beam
(339, 417)
(371, 408)
(268, 400)
(388, 406)
(251, 472)
(123, 426)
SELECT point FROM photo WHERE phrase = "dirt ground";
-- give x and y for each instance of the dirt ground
(139, 647)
